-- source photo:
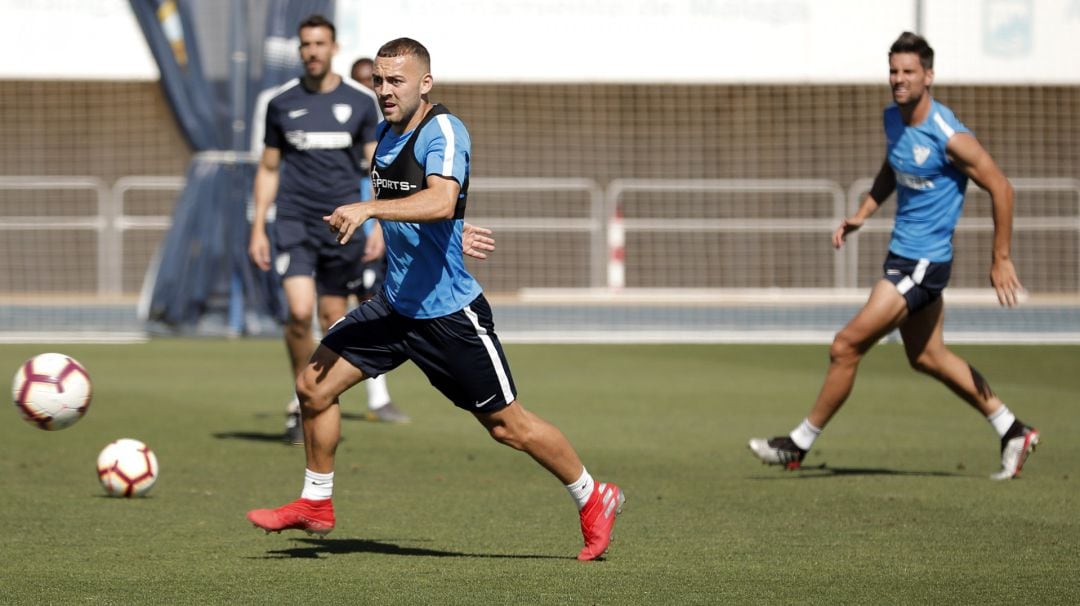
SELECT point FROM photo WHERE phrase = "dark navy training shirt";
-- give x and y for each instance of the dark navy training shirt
(321, 137)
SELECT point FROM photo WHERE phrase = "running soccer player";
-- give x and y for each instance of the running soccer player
(431, 311)
(930, 155)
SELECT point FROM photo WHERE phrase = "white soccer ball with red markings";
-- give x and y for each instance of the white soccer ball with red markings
(52, 390)
(127, 468)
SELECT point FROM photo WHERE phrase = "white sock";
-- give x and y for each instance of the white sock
(317, 486)
(805, 434)
(1002, 419)
(582, 488)
(377, 393)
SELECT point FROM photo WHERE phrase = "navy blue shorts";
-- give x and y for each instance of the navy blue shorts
(920, 282)
(309, 248)
(460, 353)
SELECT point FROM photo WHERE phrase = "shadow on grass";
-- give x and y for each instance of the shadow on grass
(809, 472)
(251, 436)
(317, 548)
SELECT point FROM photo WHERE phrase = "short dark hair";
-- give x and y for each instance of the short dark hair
(401, 47)
(914, 43)
(318, 21)
(361, 61)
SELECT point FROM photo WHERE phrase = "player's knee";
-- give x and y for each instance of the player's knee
(514, 437)
(312, 399)
(843, 349)
(924, 362)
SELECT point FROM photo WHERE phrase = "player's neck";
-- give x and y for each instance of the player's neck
(916, 113)
(415, 120)
(322, 85)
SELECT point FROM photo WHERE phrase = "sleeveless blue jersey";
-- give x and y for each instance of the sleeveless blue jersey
(321, 137)
(929, 189)
(426, 275)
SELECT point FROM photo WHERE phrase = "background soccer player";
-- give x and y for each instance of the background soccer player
(930, 156)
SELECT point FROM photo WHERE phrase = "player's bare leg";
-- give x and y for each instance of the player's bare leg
(924, 344)
(926, 351)
(884, 311)
(598, 504)
(299, 343)
(300, 300)
(318, 387)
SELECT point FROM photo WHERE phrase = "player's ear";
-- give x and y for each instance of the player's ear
(426, 83)
(929, 76)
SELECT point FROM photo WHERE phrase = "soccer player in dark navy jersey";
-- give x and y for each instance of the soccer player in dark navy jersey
(930, 155)
(321, 127)
(431, 311)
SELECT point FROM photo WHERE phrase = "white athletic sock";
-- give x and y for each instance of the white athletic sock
(317, 486)
(377, 393)
(1002, 419)
(582, 488)
(805, 434)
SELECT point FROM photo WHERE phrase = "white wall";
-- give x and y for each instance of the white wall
(73, 39)
(678, 41)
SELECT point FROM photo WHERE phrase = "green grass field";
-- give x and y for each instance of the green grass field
(895, 507)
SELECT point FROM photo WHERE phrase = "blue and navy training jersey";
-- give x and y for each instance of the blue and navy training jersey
(929, 189)
(321, 137)
(426, 275)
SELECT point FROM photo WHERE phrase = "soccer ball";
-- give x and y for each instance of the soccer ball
(52, 391)
(127, 468)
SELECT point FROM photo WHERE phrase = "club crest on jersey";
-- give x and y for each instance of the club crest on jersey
(921, 154)
(342, 111)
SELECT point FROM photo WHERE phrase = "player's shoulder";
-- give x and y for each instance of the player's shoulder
(282, 92)
(357, 92)
(944, 121)
(444, 120)
(939, 110)
(445, 124)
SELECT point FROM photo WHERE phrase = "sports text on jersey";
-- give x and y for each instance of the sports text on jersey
(304, 140)
(378, 184)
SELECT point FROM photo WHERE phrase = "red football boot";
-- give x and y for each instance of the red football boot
(598, 520)
(313, 517)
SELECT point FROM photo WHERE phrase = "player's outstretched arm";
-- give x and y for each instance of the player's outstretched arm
(973, 160)
(884, 184)
(476, 241)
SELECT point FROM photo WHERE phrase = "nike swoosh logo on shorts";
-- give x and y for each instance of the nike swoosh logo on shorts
(479, 404)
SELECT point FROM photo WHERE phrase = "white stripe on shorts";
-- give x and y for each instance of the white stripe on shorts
(920, 270)
(489, 345)
(904, 285)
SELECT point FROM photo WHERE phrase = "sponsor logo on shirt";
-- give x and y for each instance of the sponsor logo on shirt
(378, 183)
(304, 140)
(913, 181)
(296, 113)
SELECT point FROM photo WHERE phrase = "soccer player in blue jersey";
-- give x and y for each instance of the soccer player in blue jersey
(431, 311)
(930, 155)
